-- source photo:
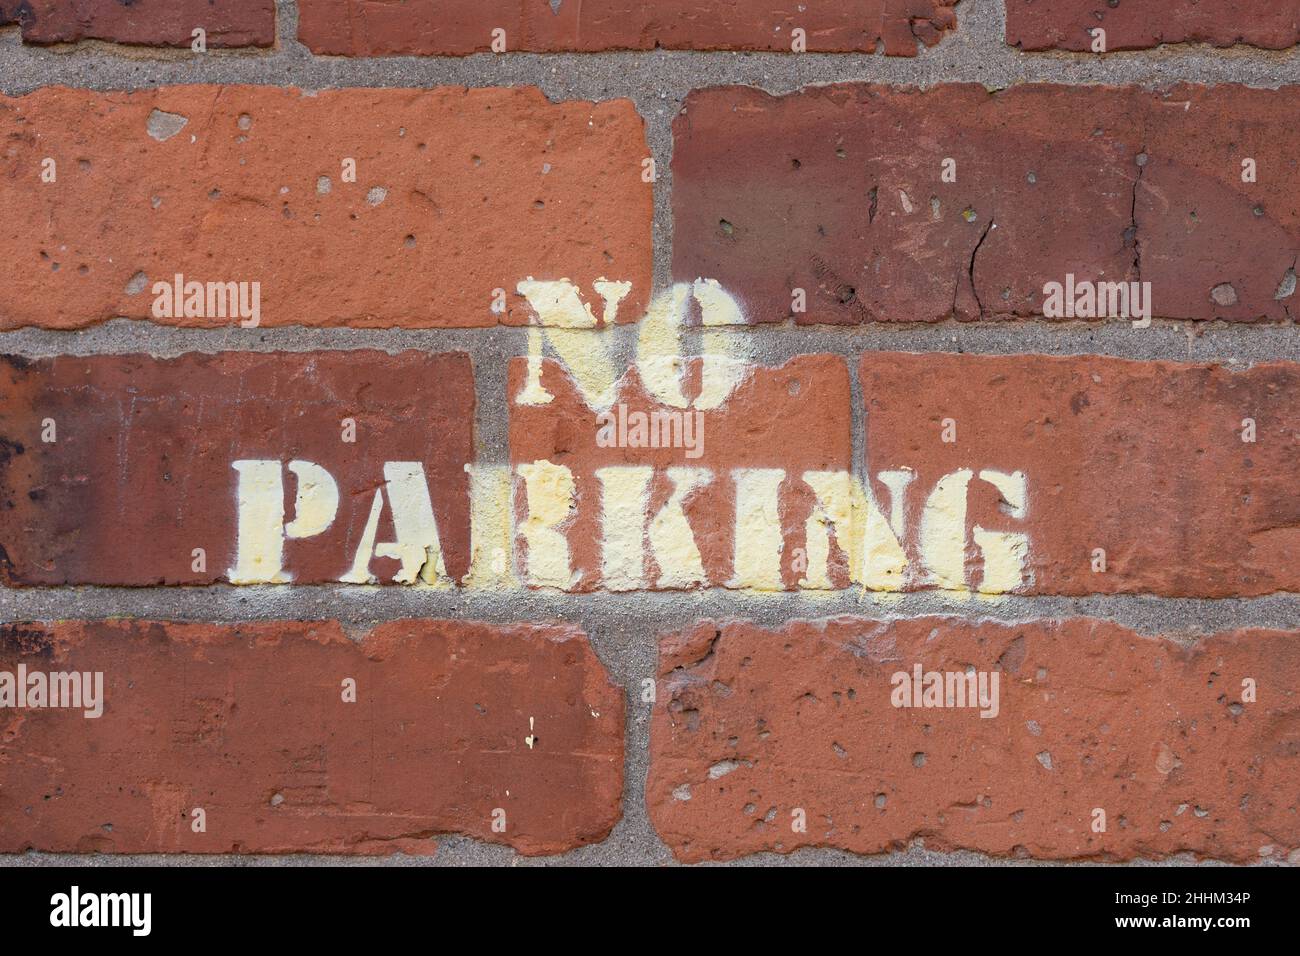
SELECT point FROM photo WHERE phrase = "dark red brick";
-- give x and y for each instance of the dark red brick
(1133, 25)
(838, 191)
(142, 471)
(226, 23)
(369, 28)
(752, 724)
(452, 721)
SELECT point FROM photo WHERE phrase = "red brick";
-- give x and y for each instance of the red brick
(142, 469)
(838, 190)
(795, 418)
(1067, 476)
(370, 28)
(458, 193)
(248, 722)
(1130, 25)
(751, 724)
(227, 23)
(1142, 459)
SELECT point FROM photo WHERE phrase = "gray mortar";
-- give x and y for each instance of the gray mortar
(623, 627)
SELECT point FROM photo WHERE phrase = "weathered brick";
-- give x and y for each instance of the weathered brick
(731, 517)
(1145, 460)
(839, 191)
(452, 722)
(457, 193)
(142, 468)
(226, 23)
(369, 28)
(752, 725)
(1129, 25)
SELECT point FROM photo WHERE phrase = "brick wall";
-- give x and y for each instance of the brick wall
(630, 433)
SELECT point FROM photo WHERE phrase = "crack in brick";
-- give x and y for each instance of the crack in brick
(1142, 161)
(970, 269)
